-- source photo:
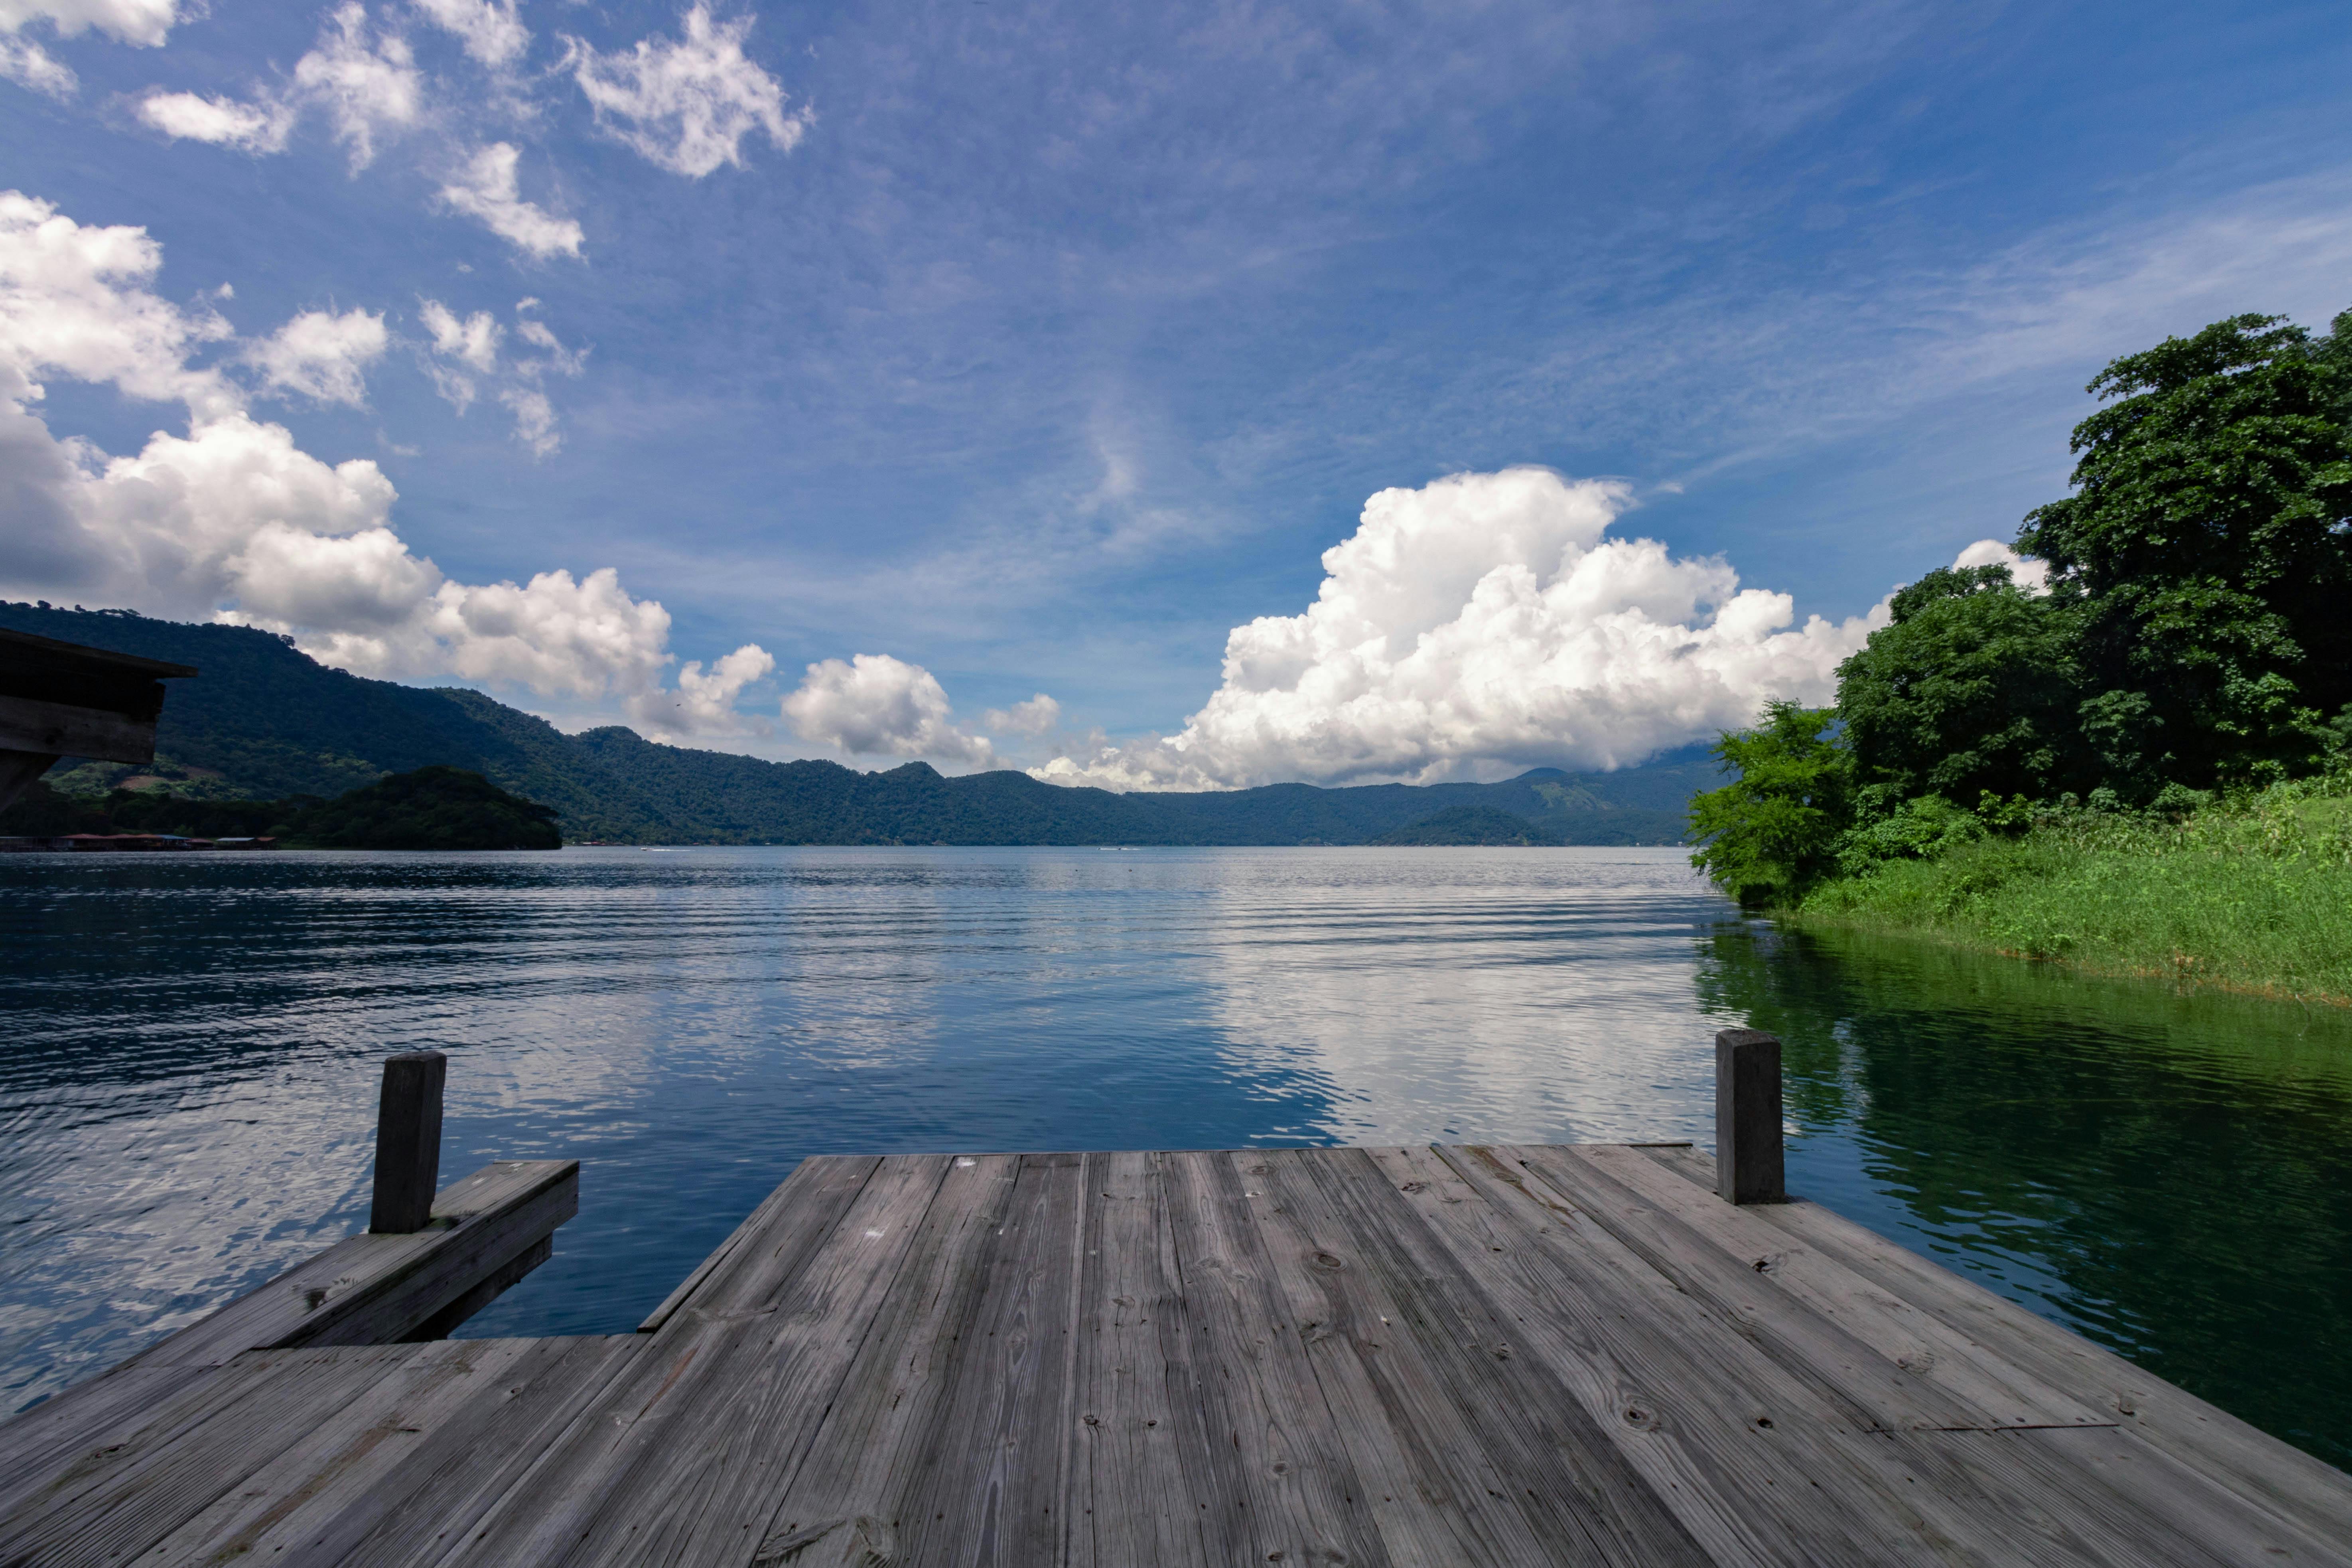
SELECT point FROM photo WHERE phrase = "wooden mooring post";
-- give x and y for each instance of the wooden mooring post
(1749, 1167)
(408, 1142)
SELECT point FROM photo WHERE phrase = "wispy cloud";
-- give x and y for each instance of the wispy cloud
(486, 189)
(686, 104)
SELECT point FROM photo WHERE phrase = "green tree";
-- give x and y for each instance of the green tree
(1769, 836)
(1970, 689)
(2208, 548)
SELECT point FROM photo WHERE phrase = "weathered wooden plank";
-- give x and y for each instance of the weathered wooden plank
(2078, 1513)
(1759, 1467)
(1129, 1500)
(377, 1290)
(670, 1384)
(505, 1278)
(2206, 1438)
(1273, 1468)
(88, 1416)
(1925, 1375)
(753, 1223)
(1479, 1452)
(117, 1504)
(435, 1497)
(749, 1274)
(987, 1487)
(64, 1473)
(2132, 1480)
(344, 1457)
(1976, 1502)
(703, 1492)
(845, 1503)
(1469, 1356)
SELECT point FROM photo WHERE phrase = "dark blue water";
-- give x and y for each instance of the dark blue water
(188, 1087)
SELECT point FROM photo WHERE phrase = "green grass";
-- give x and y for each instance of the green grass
(2252, 895)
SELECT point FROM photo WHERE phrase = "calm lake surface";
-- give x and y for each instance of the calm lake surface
(187, 1084)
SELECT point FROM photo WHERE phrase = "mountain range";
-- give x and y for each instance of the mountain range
(265, 720)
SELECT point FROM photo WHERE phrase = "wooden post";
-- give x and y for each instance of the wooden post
(408, 1142)
(1748, 1164)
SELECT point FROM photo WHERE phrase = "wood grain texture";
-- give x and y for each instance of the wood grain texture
(675, 1383)
(848, 1502)
(1129, 1500)
(1409, 1355)
(431, 1502)
(1756, 1463)
(988, 1485)
(378, 1289)
(702, 1489)
(1271, 1462)
(116, 1503)
(345, 1459)
(1480, 1453)
(1916, 1341)
(2206, 1439)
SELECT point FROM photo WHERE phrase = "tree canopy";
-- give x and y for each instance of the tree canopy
(1971, 688)
(2208, 547)
(2193, 637)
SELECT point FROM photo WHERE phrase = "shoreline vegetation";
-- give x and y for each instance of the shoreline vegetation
(430, 808)
(2127, 748)
(2250, 895)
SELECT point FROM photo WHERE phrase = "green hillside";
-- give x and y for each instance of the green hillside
(265, 722)
(1468, 824)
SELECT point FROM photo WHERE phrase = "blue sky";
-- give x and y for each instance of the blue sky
(1033, 349)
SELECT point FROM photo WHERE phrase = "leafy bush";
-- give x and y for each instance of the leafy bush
(1772, 833)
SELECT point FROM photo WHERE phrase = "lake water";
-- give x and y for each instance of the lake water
(188, 1083)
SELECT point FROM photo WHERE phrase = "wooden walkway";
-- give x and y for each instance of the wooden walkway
(1335, 1356)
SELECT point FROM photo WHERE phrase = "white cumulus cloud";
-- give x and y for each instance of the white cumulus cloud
(27, 63)
(492, 34)
(486, 189)
(2023, 570)
(321, 355)
(687, 105)
(1483, 624)
(873, 704)
(704, 701)
(232, 521)
(261, 126)
(139, 22)
(1034, 716)
(71, 302)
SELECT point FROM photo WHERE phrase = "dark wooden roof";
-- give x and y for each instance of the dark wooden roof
(43, 670)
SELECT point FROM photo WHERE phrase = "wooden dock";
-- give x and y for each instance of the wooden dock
(1474, 1355)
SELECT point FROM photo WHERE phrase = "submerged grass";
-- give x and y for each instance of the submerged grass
(2253, 894)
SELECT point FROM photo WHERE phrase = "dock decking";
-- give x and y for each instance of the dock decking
(1506, 1355)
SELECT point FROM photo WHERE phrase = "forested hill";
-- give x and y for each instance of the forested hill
(265, 720)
